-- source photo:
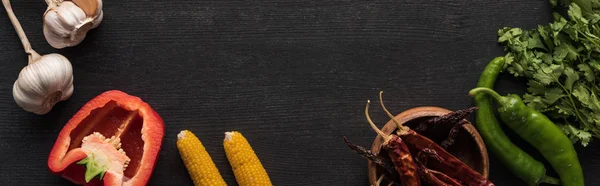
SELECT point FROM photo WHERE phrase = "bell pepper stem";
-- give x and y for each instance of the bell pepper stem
(92, 169)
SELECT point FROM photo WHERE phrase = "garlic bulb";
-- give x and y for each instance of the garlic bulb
(66, 22)
(48, 80)
(45, 81)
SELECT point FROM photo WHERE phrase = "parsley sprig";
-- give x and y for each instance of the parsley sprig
(561, 62)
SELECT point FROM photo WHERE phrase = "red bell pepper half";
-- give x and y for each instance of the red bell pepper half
(115, 137)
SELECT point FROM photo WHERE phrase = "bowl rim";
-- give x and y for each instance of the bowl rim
(418, 112)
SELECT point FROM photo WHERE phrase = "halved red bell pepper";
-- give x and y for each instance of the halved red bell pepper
(115, 137)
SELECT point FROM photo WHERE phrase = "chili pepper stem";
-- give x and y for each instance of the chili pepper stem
(551, 180)
(488, 91)
(401, 127)
(386, 138)
(378, 183)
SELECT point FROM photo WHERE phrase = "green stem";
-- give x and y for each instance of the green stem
(587, 36)
(92, 169)
(570, 95)
(577, 111)
(491, 92)
(551, 180)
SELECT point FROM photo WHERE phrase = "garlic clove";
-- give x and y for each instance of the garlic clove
(100, 5)
(44, 83)
(55, 40)
(66, 25)
(99, 15)
(90, 7)
(65, 17)
(98, 20)
(58, 41)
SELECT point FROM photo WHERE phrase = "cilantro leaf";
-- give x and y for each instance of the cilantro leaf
(582, 94)
(548, 74)
(552, 95)
(575, 13)
(534, 42)
(544, 78)
(587, 72)
(564, 107)
(572, 76)
(594, 103)
(595, 65)
(535, 87)
(561, 61)
(546, 37)
(508, 33)
(566, 51)
(576, 134)
(534, 102)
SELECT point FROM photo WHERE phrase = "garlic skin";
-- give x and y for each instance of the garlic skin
(46, 79)
(98, 20)
(66, 22)
(43, 83)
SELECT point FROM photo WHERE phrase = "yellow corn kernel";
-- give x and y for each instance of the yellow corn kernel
(197, 161)
(246, 166)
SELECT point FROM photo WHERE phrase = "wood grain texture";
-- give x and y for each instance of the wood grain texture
(292, 75)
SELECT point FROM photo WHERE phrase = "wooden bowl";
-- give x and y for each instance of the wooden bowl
(468, 147)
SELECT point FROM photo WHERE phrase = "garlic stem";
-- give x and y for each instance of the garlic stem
(15, 22)
(51, 3)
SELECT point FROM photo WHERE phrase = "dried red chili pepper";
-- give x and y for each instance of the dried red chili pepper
(431, 176)
(382, 161)
(427, 175)
(452, 135)
(436, 178)
(449, 119)
(126, 158)
(401, 157)
(449, 165)
(399, 154)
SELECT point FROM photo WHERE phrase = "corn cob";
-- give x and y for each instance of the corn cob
(197, 161)
(246, 166)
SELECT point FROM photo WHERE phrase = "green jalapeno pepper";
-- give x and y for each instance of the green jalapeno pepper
(521, 164)
(539, 131)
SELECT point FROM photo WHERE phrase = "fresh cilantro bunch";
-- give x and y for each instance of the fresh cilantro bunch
(561, 62)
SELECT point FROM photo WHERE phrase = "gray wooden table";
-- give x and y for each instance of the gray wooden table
(292, 75)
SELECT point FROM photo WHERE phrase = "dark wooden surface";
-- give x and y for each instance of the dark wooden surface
(292, 75)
